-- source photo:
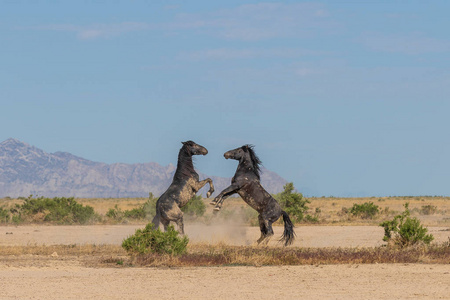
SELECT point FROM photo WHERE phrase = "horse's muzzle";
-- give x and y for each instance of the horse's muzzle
(227, 155)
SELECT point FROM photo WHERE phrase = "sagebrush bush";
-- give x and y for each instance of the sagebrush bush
(145, 211)
(405, 231)
(249, 216)
(59, 210)
(312, 219)
(195, 207)
(115, 213)
(367, 210)
(4, 215)
(292, 202)
(149, 207)
(428, 210)
(149, 240)
(135, 213)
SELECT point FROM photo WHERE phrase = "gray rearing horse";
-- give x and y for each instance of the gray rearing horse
(246, 183)
(184, 186)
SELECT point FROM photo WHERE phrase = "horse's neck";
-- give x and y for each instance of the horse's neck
(185, 166)
(245, 167)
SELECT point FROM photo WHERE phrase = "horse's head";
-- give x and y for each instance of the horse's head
(194, 149)
(245, 154)
(237, 153)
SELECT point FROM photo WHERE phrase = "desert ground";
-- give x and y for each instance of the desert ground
(28, 272)
(67, 279)
(56, 276)
(306, 236)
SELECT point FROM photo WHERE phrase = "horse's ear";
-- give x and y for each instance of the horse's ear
(184, 143)
(245, 148)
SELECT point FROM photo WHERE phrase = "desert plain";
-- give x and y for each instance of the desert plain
(39, 261)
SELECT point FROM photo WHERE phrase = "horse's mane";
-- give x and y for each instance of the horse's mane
(185, 165)
(256, 162)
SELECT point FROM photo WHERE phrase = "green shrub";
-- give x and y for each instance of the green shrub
(366, 210)
(149, 207)
(16, 219)
(115, 213)
(59, 210)
(405, 231)
(311, 219)
(149, 240)
(195, 207)
(293, 203)
(428, 210)
(249, 216)
(145, 211)
(135, 213)
(4, 215)
(344, 211)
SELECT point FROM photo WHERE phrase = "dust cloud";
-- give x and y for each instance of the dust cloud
(227, 228)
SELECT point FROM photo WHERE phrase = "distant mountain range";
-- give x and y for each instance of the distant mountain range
(26, 170)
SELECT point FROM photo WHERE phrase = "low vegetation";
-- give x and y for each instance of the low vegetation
(212, 255)
(405, 231)
(430, 210)
(292, 202)
(408, 240)
(58, 210)
(195, 207)
(367, 210)
(4, 215)
(224, 255)
(145, 211)
(149, 240)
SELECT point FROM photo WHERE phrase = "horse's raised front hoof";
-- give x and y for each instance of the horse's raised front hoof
(208, 194)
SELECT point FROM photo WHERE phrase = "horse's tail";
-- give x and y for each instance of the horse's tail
(288, 234)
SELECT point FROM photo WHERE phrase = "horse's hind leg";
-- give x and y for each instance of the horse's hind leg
(269, 233)
(156, 220)
(175, 215)
(165, 223)
(262, 228)
(265, 226)
(180, 224)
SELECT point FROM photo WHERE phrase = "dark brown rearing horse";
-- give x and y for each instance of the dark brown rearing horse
(185, 185)
(246, 182)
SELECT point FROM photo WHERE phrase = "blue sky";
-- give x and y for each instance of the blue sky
(343, 98)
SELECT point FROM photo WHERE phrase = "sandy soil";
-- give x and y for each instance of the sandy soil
(53, 277)
(307, 236)
(68, 280)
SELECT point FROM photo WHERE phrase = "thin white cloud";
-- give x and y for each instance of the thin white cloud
(258, 21)
(408, 44)
(306, 72)
(251, 22)
(232, 53)
(96, 31)
(172, 7)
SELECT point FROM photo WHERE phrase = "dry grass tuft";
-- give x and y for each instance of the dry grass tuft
(63, 250)
(210, 255)
(224, 255)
